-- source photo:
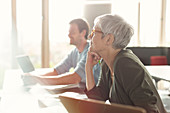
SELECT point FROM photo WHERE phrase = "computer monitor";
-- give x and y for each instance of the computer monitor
(25, 63)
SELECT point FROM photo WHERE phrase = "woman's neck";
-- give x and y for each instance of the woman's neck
(109, 58)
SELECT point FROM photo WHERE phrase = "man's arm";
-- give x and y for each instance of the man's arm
(52, 72)
(63, 79)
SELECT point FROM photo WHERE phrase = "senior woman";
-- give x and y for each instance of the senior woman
(123, 79)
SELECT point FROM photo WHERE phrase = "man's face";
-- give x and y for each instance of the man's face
(74, 34)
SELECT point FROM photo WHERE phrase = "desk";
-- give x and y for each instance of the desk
(16, 98)
(162, 71)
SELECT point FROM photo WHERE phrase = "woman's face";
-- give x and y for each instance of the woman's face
(96, 40)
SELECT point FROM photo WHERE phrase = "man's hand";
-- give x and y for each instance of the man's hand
(29, 79)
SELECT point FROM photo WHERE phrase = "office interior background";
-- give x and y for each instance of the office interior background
(39, 28)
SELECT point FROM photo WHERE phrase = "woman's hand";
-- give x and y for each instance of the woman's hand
(92, 58)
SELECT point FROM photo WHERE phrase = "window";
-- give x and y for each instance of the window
(167, 23)
(128, 9)
(150, 22)
(5, 37)
(60, 14)
(29, 27)
(144, 16)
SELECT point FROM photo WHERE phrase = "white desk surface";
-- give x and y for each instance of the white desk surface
(16, 100)
(162, 71)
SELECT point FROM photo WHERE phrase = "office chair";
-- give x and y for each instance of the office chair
(158, 60)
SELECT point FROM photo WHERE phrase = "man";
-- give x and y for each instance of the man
(60, 75)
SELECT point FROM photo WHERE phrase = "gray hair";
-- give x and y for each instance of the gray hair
(115, 25)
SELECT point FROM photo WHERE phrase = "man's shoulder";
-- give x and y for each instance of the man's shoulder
(86, 48)
(74, 50)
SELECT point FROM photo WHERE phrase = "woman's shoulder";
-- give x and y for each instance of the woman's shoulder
(123, 55)
(126, 55)
(125, 59)
(128, 64)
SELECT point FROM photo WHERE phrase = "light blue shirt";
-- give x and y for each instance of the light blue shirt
(77, 61)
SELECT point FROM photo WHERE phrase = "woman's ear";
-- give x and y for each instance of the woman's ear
(109, 39)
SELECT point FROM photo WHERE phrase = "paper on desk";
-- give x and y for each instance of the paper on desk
(45, 90)
(58, 87)
(54, 87)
